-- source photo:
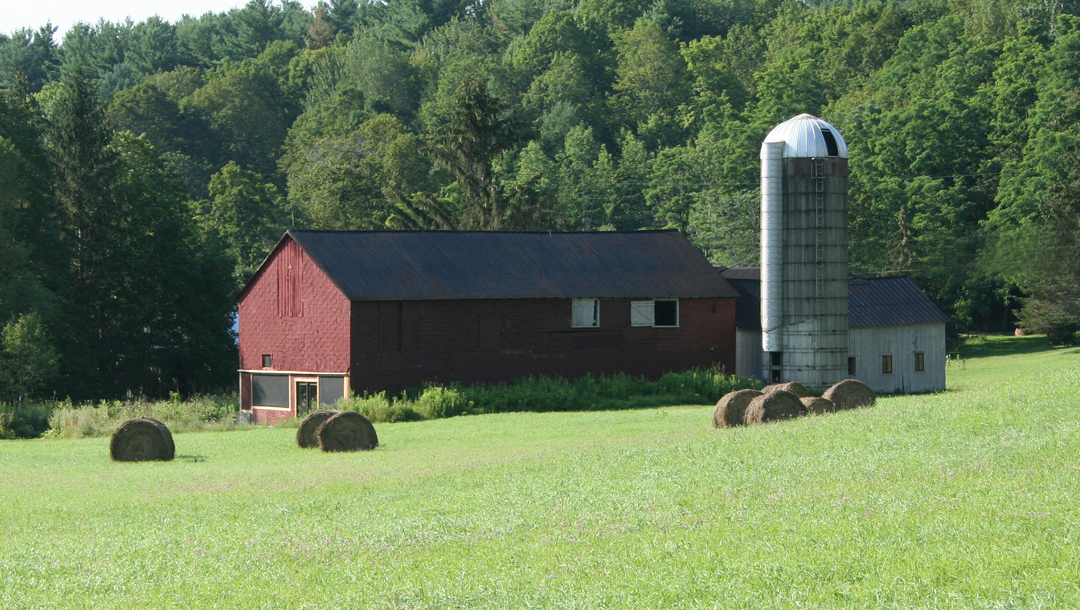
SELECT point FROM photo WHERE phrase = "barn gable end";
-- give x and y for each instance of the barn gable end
(292, 313)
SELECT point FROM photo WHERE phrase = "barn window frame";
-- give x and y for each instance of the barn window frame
(643, 313)
(886, 364)
(267, 361)
(920, 362)
(585, 313)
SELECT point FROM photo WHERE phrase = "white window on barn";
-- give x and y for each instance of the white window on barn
(642, 313)
(585, 313)
(656, 312)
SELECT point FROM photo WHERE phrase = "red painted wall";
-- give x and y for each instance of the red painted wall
(401, 344)
(293, 312)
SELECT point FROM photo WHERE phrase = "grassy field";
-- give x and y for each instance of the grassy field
(965, 499)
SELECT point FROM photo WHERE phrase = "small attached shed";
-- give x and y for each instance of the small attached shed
(896, 335)
(334, 311)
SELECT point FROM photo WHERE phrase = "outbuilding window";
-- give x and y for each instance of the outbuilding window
(851, 365)
(656, 312)
(886, 365)
(920, 361)
(585, 313)
(268, 361)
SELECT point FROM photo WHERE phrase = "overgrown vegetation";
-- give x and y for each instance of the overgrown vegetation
(63, 419)
(542, 394)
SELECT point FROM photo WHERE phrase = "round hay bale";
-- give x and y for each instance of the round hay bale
(347, 431)
(796, 388)
(779, 404)
(815, 404)
(305, 434)
(850, 394)
(140, 440)
(730, 409)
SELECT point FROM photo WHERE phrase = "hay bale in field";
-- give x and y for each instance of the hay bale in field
(780, 404)
(347, 431)
(796, 388)
(305, 434)
(731, 408)
(140, 440)
(815, 404)
(850, 394)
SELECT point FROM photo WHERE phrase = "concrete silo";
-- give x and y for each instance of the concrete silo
(804, 253)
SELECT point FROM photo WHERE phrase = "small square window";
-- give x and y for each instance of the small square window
(920, 361)
(656, 312)
(851, 365)
(666, 313)
(268, 361)
(886, 365)
(585, 313)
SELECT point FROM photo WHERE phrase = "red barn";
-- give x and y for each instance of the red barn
(334, 311)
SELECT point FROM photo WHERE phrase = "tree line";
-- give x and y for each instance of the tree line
(147, 168)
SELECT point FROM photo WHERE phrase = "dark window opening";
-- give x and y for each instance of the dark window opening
(830, 143)
(270, 390)
(307, 397)
(331, 389)
(666, 313)
(776, 366)
(886, 365)
(851, 365)
(268, 361)
(920, 362)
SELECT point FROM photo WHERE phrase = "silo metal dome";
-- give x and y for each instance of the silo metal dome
(809, 137)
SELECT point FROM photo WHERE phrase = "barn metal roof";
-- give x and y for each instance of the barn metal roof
(437, 265)
(805, 136)
(882, 301)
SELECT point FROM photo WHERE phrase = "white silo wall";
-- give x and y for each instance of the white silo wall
(772, 243)
(815, 302)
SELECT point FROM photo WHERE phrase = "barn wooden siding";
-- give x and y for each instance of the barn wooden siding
(299, 318)
(868, 344)
(398, 344)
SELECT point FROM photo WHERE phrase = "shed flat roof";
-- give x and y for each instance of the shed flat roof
(882, 301)
(439, 265)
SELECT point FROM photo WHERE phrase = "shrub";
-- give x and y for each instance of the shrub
(539, 394)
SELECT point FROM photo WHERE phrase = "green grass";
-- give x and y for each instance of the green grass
(965, 499)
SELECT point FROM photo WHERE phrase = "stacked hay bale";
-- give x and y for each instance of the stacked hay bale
(850, 394)
(788, 400)
(773, 406)
(731, 409)
(796, 388)
(306, 436)
(140, 440)
(817, 405)
(346, 431)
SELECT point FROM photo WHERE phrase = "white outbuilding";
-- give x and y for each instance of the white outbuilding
(895, 339)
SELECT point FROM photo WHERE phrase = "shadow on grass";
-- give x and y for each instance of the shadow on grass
(192, 458)
(985, 346)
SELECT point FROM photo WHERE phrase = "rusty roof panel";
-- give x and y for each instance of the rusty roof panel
(438, 265)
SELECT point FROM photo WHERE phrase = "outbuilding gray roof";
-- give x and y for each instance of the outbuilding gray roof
(438, 265)
(882, 301)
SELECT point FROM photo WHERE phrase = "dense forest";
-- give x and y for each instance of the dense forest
(147, 168)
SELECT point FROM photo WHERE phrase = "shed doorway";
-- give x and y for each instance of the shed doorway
(307, 397)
